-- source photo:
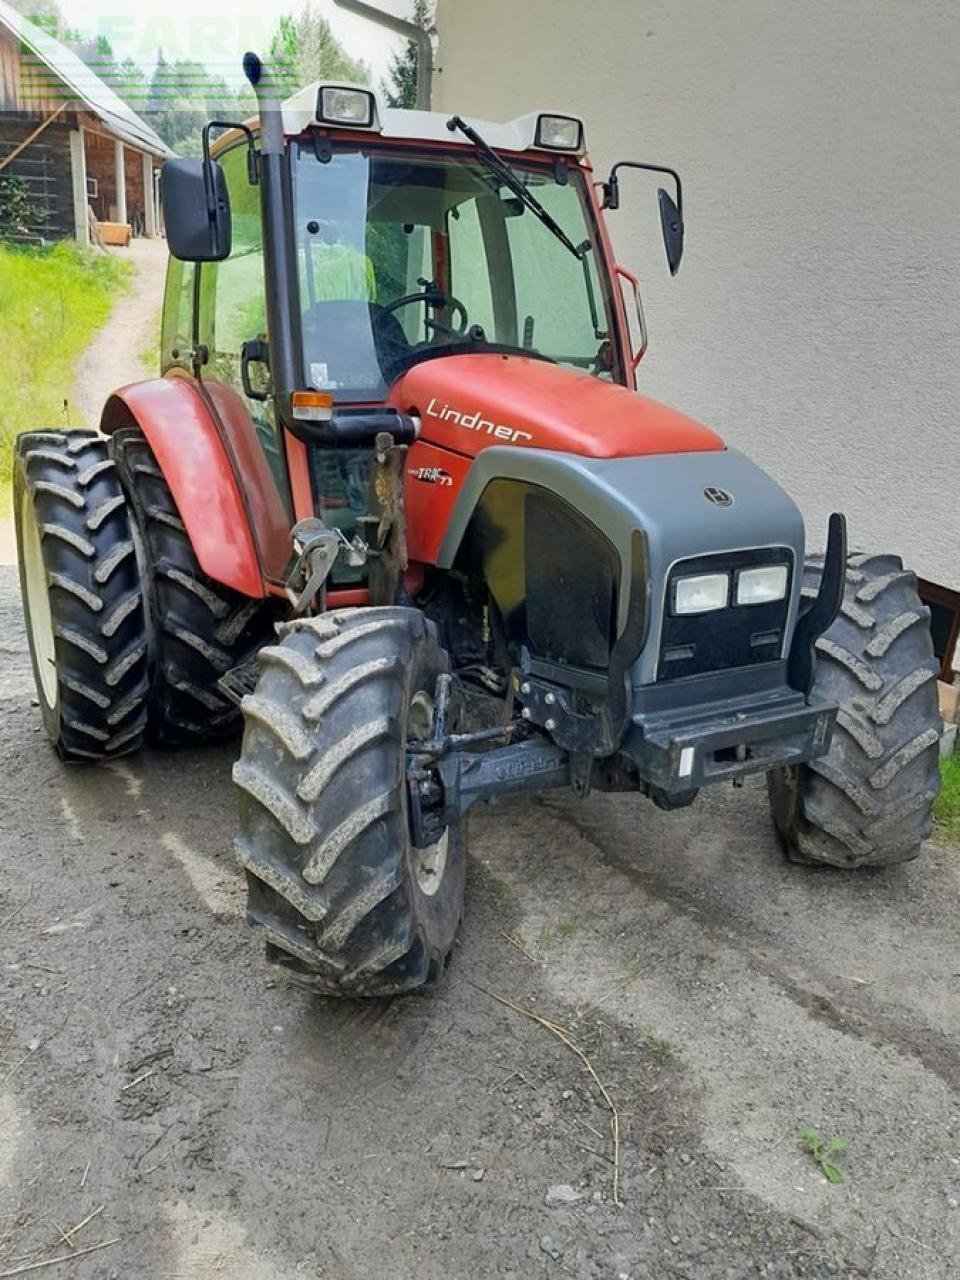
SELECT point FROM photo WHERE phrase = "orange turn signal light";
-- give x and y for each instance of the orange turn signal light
(313, 406)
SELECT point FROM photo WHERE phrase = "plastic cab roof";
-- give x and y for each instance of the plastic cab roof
(300, 113)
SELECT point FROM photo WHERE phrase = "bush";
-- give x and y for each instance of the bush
(18, 213)
(54, 300)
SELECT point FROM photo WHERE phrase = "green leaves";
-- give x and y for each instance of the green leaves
(821, 1151)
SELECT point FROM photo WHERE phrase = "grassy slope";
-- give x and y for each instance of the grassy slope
(51, 303)
(948, 802)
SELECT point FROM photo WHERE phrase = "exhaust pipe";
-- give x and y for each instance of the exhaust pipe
(279, 253)
(264, 85)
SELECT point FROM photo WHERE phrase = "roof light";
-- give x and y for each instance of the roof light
(559, 133)
(345, 106)
(312, 406)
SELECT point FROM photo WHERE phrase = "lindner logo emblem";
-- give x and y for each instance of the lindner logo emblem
(719, 497)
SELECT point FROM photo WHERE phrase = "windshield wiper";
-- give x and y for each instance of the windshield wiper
(500, 169)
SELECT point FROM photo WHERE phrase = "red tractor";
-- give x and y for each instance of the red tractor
(396, 506)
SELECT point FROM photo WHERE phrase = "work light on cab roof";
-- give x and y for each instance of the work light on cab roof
(351, 106)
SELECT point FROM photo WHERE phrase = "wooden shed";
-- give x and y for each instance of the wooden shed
(71, 140)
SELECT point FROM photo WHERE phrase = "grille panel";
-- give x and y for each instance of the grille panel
(737, 636)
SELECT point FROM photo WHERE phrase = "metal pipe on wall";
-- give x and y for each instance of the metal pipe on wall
(403, 28)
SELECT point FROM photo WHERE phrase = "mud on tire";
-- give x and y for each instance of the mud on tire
(869, 801)
(199, 629)
(344, 902)
(76, 557)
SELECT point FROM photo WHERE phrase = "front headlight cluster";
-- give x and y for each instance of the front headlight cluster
(705, 592)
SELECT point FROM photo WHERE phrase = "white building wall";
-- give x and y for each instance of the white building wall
(816, 318)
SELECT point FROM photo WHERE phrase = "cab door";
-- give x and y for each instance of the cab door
(232, 311)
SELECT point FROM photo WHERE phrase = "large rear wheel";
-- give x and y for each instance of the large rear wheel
(82, 597)
(199, 629)
(869, 801)
(346, 904)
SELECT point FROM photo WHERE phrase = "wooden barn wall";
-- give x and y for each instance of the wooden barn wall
(101, 164)
(44, 166)
(9, 71)
(26, 84)
(99, 150)
(133, 167)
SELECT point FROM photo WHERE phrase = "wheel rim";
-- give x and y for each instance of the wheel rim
(39, 617)
(429, 864)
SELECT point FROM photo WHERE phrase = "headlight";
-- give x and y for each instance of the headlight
(701, 594)
(559, 133)
(761, 586)
(345, 106)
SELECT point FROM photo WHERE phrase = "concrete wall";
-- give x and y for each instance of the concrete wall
(816, 318)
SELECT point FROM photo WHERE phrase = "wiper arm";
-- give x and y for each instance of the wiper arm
(500, 169)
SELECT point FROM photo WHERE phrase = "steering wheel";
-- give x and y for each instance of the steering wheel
(431, 296)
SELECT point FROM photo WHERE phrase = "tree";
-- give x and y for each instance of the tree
(129, 82)
(182, 96)
(400, 88)
(304, 49)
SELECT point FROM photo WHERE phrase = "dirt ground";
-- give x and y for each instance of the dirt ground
(115, 356)
(200, 1118)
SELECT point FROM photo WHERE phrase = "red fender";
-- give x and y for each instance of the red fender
(183, 435)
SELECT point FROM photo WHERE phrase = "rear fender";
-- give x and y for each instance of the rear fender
(183, 435)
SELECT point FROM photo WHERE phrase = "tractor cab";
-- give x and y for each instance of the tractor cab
(337, 245)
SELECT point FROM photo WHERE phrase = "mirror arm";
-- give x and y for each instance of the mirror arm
(611, 188)
(253, 160)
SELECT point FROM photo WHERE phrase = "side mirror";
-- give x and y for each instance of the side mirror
(196, 210)
(672, 225)
(671, 211)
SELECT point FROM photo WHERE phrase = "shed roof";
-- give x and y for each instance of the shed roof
(83, 83)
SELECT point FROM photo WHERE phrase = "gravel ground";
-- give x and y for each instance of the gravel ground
(230, 1125)
(218, 1123)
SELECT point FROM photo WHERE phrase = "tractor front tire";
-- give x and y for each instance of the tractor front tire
(198, 628)
(347, 906)
(82, 596)
(869, 801)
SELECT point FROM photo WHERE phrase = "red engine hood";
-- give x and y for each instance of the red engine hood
(470, 402)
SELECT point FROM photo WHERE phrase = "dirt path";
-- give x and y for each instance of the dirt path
(231, 1126)
(114, 356)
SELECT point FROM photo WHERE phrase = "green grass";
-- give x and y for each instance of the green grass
(823, 1152)
(54, 300)
(947, 808)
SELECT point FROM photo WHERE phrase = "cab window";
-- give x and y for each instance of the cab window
(176, 328)
(233, 309)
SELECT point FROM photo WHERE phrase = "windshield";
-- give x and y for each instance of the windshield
(400, 259)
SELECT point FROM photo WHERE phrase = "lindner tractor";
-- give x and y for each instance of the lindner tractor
(396, 507)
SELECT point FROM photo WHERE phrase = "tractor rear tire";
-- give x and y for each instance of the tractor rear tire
(869, 801)
(198, 628)
(81, 592)
(347, 906)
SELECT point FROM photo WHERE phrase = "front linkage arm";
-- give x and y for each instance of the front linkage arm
(453, 771)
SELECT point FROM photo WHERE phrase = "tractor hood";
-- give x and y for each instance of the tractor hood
(469, 402)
